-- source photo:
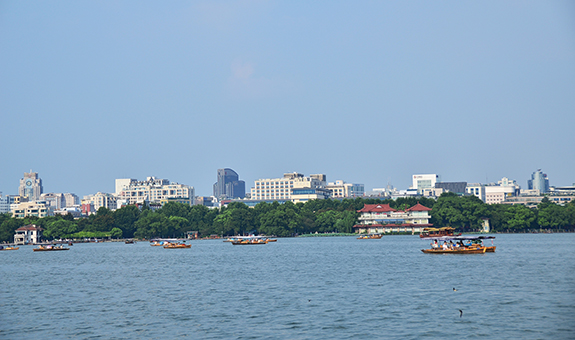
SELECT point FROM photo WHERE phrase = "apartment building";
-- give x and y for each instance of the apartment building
(292, 186)
(35, 208)
(154, 190)
(341, 189)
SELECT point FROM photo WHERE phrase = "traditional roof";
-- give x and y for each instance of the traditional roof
(29, 227)
(376, 208)
(392, 225)
(418, 207)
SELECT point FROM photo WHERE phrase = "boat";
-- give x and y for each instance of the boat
(369, 237)
(129, 241)
(249, 240)
(50, 247)
(437, 232)
(162, 241)
(9, 248)
(177, 246)
(480, 250)
(462, 245)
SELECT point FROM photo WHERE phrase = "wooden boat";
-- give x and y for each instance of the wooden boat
(479, 250)
(162, 242)
(177, 246)
(250, 241)
(462, 245)
(9, 248)
(370, 237)
(437, 232)
(50, 247)
(129, 242)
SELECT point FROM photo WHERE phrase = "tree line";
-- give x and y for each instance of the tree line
(465, 213)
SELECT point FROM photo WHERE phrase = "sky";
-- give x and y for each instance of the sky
(367, 92)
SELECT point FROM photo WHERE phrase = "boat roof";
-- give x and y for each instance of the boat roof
(439, 229)
(460, 238)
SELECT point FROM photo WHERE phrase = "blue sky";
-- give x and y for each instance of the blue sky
(367, 92)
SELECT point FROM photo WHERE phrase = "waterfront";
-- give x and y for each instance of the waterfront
(296, 288)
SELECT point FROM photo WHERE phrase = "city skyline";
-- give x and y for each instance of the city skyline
(367, 93)
(251, 186)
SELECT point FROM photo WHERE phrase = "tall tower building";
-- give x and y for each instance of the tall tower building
(538, 181)
(229, 185)
(31, 186)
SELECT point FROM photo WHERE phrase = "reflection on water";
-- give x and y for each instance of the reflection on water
(298, 288)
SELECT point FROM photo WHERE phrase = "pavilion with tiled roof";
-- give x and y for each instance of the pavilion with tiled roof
(381, 218)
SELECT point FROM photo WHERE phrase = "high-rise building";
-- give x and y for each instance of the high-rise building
(229, 185)
(155, 190)
(421, 182)
(293, 186)
(538, 181)
(31, 186)
(71, 199)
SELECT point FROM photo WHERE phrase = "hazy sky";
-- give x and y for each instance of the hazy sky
(367, 92)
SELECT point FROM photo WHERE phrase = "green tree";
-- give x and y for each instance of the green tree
(116, 233)
(8, 227)
(125, 218)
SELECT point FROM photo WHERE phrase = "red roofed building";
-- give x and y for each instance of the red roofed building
(381, 218)
(28, 234)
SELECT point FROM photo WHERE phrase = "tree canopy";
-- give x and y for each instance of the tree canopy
(465, 213)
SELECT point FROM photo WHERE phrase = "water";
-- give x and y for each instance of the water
(299, 288)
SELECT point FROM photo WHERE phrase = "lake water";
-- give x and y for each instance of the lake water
(295, 288)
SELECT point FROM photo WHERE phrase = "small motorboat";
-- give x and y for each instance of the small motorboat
(9, 248)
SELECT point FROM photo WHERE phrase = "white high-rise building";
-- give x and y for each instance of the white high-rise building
(293, 186)
(421, 182)
(155, 190)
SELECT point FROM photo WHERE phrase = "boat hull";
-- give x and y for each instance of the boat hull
(50, 249)
(243, 243)
(180, 246)
(455, 251)
(10, 248)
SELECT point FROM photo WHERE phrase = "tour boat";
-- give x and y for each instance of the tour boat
(51, 247)
(437, 232)
(9, 248)
(369, 236)
(462, 245)
(176, 245)
(248, 240)
(478, 250)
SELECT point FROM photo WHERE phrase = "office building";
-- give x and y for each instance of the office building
(538, 181)
(455, 187)
(420, 182)
(229, 185)
(31, 186)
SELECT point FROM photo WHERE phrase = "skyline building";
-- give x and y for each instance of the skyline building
(155, 190)
(426, 181)
(292, 186)
(538, 181)
(31, 186)
(229, 185)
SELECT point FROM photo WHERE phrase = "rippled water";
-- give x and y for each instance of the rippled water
(297, 288)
